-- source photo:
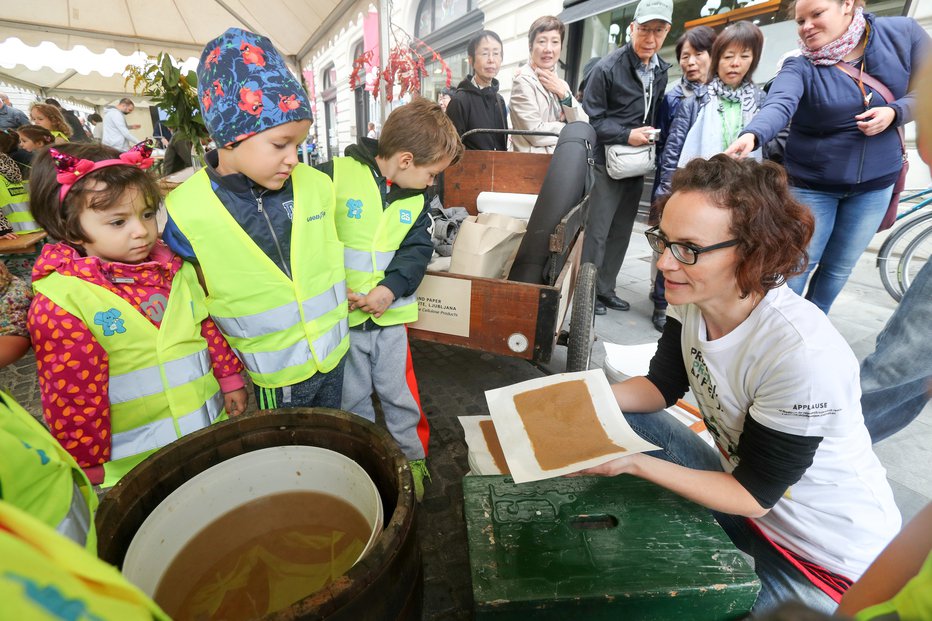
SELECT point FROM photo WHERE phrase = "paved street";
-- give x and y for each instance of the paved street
(452, 383)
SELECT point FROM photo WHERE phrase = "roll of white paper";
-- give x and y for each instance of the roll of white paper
(506, 203)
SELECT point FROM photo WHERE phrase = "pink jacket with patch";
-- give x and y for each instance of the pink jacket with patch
(73, 367)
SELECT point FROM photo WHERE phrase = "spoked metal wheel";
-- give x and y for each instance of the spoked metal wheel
(915, 257)
(582, 322)
(903, 253)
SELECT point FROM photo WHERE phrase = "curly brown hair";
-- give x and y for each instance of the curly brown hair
(772, 227)
(62, 221)
(54, 116)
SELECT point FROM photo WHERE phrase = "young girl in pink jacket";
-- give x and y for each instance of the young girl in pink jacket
(115, 387)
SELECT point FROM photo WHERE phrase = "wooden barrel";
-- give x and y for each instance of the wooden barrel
(387, 584)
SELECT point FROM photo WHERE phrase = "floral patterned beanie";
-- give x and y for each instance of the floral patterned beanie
(245, 87)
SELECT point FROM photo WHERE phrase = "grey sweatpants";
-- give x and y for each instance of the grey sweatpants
(379, 361)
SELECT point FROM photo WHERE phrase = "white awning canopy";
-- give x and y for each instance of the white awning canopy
(179, 27)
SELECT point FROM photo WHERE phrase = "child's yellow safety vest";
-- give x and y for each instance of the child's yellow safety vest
(161, 383)
(44, 576)
(14, 202)
(38, 476)
(372, 235)
(284, 330)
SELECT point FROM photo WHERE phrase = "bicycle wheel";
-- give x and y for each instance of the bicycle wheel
(915, 257)
(893, 250)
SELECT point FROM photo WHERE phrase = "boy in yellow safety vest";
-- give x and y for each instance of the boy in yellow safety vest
(259, 224)
(381, 217)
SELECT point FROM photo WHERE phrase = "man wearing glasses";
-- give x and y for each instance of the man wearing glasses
(621, 98)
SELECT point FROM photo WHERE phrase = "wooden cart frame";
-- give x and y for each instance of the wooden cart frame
(502, 316)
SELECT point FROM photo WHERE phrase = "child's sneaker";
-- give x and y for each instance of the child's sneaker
(419, 473)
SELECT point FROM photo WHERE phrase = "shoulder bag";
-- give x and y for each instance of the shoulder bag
(878, 87)
(623, 161)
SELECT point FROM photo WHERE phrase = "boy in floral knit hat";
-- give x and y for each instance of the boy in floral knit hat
(260, 227)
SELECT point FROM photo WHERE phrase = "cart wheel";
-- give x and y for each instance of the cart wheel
(582, 322)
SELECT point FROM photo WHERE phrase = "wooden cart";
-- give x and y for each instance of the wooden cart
(502, 316)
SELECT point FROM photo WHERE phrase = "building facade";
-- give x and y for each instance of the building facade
(594, 28)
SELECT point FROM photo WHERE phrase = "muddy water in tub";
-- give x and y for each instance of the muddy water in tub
(263, 556)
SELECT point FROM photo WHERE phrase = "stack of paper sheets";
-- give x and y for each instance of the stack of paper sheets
(552, 426)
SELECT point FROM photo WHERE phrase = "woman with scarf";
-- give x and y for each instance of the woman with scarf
(843, 153)
(693, 50)
(711, 120)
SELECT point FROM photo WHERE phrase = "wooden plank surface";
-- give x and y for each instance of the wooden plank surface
(22, 244)
(498, 309)
(492, 171)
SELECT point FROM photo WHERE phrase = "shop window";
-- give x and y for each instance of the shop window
(446, 26)
(362, 99)
(435, 14)
(329, 95)
(436, 79)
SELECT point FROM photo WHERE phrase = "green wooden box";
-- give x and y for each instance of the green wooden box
(592, 548)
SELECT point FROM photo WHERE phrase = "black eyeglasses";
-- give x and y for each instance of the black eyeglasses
(684, 253)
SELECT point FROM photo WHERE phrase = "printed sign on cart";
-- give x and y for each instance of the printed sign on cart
(443, 305)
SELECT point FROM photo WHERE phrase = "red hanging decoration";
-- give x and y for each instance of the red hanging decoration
(405, 67)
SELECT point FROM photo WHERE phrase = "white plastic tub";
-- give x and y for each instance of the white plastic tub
(235, 482)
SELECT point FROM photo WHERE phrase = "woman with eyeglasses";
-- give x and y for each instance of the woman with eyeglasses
(693, 53)
(792, 478)
(844, 152)
(476, 103)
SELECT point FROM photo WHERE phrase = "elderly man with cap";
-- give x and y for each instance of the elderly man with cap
(622, 96)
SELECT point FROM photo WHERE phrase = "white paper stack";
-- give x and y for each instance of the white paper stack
(478, 455)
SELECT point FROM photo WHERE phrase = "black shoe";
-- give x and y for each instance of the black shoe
(599, 308)
(659, 318)
(613, 302)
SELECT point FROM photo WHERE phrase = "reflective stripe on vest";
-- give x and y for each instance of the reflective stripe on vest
(361, 260)
(282, 317)
(40, 477)
(14, 202)
(372, 232)
(162, 432)
(20, 217)
(77, 522)
(148, 381)
(161, 384)
(283, 329)
(269, 361)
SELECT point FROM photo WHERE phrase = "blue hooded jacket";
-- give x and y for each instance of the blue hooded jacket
(825, 150)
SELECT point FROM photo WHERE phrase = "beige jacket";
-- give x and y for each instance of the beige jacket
(534, 107)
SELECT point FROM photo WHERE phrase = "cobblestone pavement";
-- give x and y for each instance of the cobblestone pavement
(452, 382)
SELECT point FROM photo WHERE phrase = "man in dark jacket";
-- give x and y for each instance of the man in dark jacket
(476, 103)
(622, 97)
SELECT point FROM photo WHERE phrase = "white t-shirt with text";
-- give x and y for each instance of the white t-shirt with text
(790, 369)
